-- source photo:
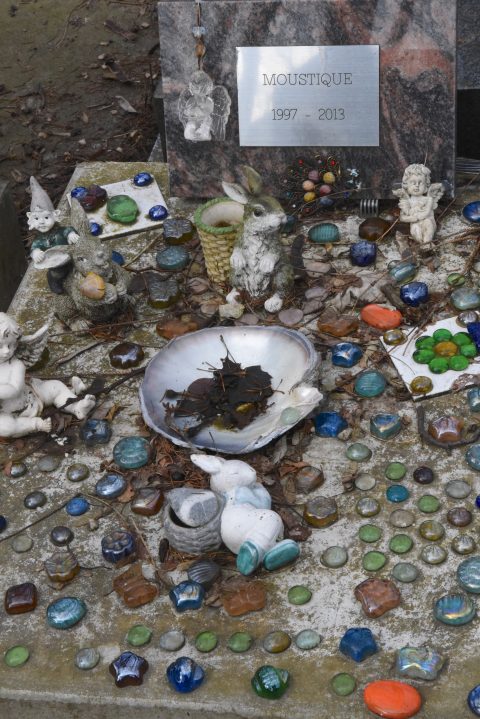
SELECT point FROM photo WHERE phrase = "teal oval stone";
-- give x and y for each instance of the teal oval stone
(131, 452)
(370, 383)
(123, 209)
(468, 575)
(324, 233)
(281, 554)
(65, 612)
(454, 609)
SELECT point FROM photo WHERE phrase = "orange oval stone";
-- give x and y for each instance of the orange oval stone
(381, 317)
(392, 700)
(93, 286)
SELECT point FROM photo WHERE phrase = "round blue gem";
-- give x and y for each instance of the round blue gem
(346, 354)
(471, 212)
(95, 229)
(78, 192)
(95, 431)
(131, 452)
(185, 675)
(358, 643)
(397, 493)
(111, 486)
(117, 545)
(77, 506)
(143, 179)
(414, 293)
(329, 424)
(363, 253)
(473, 700)
(157, 213)
(3, 523)
(173, 258)
(118, 258)
(65, 612)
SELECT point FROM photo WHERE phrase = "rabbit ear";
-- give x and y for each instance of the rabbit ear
(253, 181)
(235, 192)
(209, 464)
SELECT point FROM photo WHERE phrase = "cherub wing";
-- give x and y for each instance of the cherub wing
(436, 191)
(221, 111)
(30, 347)
(185, 96)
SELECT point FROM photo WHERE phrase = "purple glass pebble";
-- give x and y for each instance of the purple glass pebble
(128, 669)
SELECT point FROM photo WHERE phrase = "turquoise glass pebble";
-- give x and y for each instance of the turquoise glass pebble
(385, 426)
(65, 612)
(173, 258)
(324, 233)
(468, 575)
(370, 383)
(472, 455)
(397, 493)
(454, 609)
(281, 554)
(131, 452)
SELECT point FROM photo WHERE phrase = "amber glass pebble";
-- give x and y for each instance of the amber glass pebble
(21, 598)
(133, 588)
(62, 567)
(249, 597)
(343, 327)
(126, 355)
(421, 385)
(147, 501)
(377, 596)
(373, 228)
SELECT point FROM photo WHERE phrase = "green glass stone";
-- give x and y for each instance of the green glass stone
(458, 362)
(16, 656)
(395, 471)
(428, 503)
(431, 530)
(455, 279)
(423, 356)
(206, 641)
(442, 335)
(138, 635)
(425, 343)
(367, 507)
(369, 533)
(358, 452)
(240, 642)
(343, 684)
(307, 639)
(269, 682)
(401, 543)
(405, 572)
(433, 554)
(461, 339)
(334, 557)
(123, 209)
(438, 365)
(373, 561)
(299, 594)
(468, 351)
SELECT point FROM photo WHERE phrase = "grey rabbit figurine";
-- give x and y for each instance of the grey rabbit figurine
(259, 262)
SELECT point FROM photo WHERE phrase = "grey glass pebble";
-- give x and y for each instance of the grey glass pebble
(172, 641)
(35, 499)
(48, 463)
(22, 543)
(18, 469)
(334, 557)
(367, 507)
(458, 489)
(405, 572)
(463, 544)
(358, 452)
(87, 658)
(365, 482)
(61, 536)
(308, 639)
(78, 472)
(433, 554)
(402, 518)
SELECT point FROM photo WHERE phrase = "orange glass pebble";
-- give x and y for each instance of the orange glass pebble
(392, 700)
(134, 589)
(309, 196)
(381, 317)
(343, 327)
(446, 349)
(93, 286)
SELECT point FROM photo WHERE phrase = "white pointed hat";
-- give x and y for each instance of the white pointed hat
(40, 199)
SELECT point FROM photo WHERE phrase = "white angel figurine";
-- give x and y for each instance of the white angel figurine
(203, 109)
(418, 200)
(22, 399)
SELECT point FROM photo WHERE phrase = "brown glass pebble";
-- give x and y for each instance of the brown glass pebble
(373, 228)
(459, 516)
(147, 501)
(377, 596)
(321, 512)
(21, 598)
(249, 597)
(126, 355)
(423, 475)
(446, 429)
(133, 588)
(308, 478)
(62, 567)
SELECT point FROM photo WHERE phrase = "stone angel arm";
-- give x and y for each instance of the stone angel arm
(221, 111)
(436, 191)
(30, 347)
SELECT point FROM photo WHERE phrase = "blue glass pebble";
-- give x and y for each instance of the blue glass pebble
(185, 675)
(157, 213)
(131, 452)
(473, 329)
(95, 431)
(78, 192)
(363, 253)
(346, 354)
(173, 258)
(473, 699)
(187, 595)
(472, 455)
(329, 424)
(477, 501)
(471, 212)
(468, 575)
(111, 486)
(326, 202)
(397, 493)
(65, 612)
(77, 506)
(3, 523)
(95, 229)
(128, 669)
(358, 643)
(414, 293)
(385, 426)
(118, 258)
(143, 179)
(117, 545)
(370, 383)
(454, 609)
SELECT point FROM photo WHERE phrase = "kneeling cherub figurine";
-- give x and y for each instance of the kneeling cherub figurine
(22, 399)
(418, 200)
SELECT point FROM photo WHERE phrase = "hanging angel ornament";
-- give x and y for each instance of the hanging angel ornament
(203, 109)
(418, 201)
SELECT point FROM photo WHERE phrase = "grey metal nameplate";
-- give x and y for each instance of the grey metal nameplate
(308, 96)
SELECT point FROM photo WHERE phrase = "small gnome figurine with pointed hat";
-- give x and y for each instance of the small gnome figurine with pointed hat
(43, 218)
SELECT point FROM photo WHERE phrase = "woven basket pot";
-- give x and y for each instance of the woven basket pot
(218, 223)
(193, 540)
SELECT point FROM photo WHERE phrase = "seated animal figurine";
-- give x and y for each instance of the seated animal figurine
(23, 399)
(249, 528)
(259, 263)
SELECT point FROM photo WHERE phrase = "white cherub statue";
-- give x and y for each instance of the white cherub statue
(23, 399)
(43, 218)
(418, 200)
(204, 109)
(249, 528)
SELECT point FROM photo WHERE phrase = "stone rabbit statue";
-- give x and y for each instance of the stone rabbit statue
(259, 263)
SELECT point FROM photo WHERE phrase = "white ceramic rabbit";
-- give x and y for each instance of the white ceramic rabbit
(249, 528)
(259, 262)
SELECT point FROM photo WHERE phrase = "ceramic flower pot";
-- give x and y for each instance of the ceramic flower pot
(218, 223)
(193, 540)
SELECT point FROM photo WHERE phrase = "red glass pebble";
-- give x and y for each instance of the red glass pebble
(392, 699)
(381, 317)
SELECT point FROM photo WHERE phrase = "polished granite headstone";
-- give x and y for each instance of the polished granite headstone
(417, 83)
(468, 54)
